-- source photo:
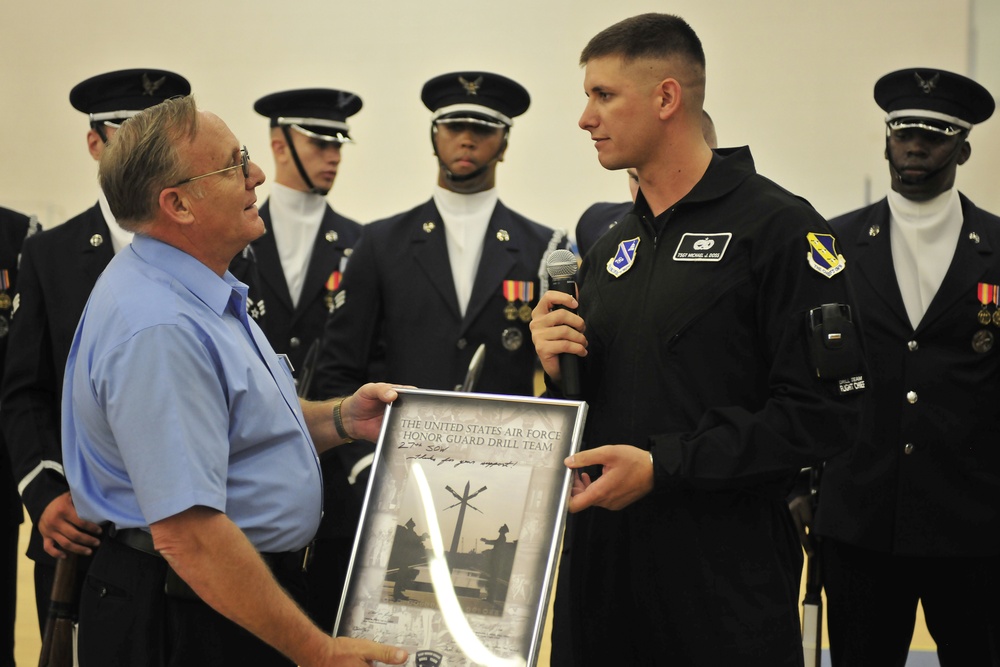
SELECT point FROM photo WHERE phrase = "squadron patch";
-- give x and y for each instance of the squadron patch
(624, 258)
(702, 247)
(823, 256)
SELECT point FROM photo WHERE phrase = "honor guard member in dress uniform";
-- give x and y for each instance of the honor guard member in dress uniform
(913, 512)
(718, 359)
(457, 271)
(58, 269)
(301, 259)
(206, 478)
(297, 266)
(14, 228)
(426, 287)
(602, 216)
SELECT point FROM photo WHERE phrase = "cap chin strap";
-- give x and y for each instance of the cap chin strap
(99, 128)
(929, 175)
(298, 163)
(456, 178)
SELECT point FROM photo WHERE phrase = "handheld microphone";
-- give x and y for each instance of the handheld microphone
(561, 266)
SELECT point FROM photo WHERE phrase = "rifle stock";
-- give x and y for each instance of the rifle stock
(57, 640)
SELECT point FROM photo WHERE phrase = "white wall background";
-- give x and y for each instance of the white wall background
(792, 78)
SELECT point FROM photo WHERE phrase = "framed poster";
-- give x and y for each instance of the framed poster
(464, 513)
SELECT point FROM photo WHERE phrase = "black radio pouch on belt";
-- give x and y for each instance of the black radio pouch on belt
(833, 342)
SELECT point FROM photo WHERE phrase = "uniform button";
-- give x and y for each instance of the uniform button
(911, 397)
(462, 344)
(908, 448)
(294, 342)
(104, 592)
(912, 346)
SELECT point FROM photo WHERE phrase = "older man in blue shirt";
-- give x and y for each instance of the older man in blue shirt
(182, 431)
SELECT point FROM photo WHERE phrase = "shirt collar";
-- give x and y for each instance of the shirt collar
(201, 281)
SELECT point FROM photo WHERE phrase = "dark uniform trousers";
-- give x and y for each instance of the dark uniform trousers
(872, 599)
(126, 618)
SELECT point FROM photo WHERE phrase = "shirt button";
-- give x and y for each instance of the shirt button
(912, 346)
(462, 344)
(911, 397)
(294, 342)
(908, 448)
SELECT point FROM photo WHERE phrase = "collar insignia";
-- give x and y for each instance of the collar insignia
(471, 87)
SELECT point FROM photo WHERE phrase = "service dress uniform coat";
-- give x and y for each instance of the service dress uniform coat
(292, 329)
(925, 477)
(14, 227)
(400, 289)
(58, 270)
(596, 221)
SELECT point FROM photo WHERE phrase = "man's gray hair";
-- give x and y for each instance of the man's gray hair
(141, 159)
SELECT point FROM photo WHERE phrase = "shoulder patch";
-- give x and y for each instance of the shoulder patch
(823, 256)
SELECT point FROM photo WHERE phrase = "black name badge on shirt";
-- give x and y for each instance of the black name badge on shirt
(702, 247)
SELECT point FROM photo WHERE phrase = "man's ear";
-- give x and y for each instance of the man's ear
(669, 95)
(279, 146)
(175, 203)
(95, 144)
(964, 153)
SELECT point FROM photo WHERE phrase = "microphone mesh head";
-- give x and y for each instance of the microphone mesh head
(560, 264)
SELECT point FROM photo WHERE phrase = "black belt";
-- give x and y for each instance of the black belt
(140, 540)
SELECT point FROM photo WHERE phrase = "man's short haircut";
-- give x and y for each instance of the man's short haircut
(658, 36)
(142, 159)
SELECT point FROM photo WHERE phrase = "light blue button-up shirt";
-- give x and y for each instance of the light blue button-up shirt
(173, 398)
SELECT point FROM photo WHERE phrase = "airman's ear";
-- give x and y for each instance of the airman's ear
(669, 94)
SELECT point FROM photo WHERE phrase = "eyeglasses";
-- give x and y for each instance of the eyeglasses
(244, 164)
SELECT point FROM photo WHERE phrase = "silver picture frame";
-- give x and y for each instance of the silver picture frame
(463, 517)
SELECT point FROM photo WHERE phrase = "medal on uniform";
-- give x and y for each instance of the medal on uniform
(332, 283)
(624, 258)
(527, 296)
(4, 286)
(982, 341)
(512, 339)
(996, 304)
(986, 295)
(511, 288)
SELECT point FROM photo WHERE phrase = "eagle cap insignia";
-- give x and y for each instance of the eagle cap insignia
(471, 87)
(344, 99)
(927, 85)
(149, 87)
